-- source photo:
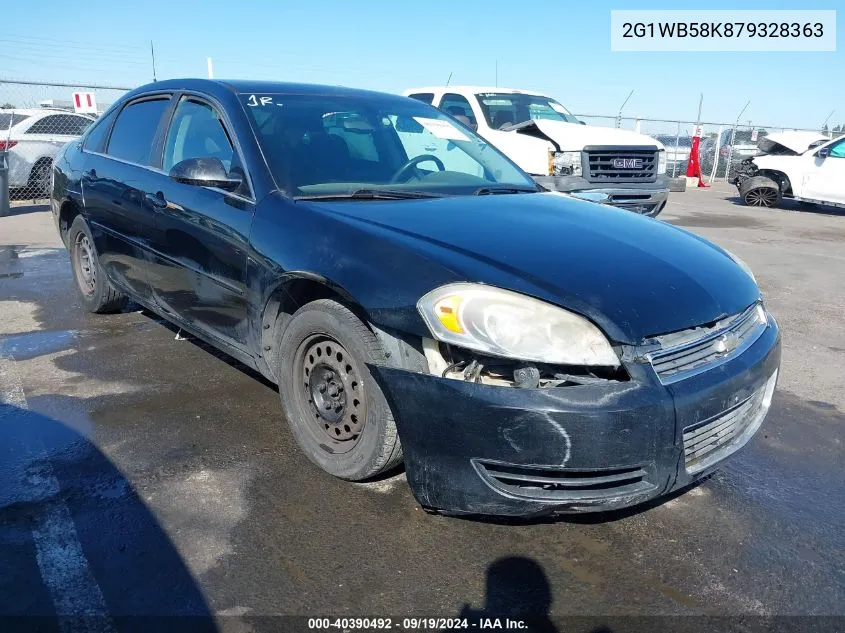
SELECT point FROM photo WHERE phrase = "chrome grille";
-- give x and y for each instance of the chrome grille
(711, 440)
(606, 165)
(686, 353)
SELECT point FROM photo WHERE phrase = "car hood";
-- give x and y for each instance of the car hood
(573, 136)
(796, 142)
(634, 276)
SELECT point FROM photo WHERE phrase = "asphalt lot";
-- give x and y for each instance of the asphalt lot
(141, 474)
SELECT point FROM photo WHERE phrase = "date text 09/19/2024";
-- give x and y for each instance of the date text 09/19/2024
(416, 624)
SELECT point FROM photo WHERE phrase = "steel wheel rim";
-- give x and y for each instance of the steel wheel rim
(762, 197)
(330, 392)
(84, 262)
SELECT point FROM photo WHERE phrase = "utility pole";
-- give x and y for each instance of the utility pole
(619, 116)
(827, 119)
(210, 68)
(733, 139)
(153, 55)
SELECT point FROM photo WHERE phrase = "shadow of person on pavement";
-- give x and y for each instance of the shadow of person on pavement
(517, 589)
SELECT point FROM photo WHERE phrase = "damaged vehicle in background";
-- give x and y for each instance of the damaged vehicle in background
(607, 165)
(803, 166)
(417, 298)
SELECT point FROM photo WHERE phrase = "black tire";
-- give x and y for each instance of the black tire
(95, 290)
(759, 191)
(336, 410)
(40, 179)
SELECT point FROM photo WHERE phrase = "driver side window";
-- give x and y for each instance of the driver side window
(197, 131)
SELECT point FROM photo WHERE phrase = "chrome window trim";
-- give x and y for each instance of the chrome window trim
(747, 342)
(156, 170)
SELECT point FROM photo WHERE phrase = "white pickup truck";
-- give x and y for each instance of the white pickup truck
(607, 165)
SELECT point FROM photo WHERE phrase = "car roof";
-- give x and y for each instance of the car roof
(244, 86)
(474, 89)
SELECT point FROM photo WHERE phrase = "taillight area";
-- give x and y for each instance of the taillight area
(7, 145)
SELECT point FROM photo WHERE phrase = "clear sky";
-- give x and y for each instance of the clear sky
(558, 46)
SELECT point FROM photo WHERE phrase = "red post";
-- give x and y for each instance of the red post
(694, 164)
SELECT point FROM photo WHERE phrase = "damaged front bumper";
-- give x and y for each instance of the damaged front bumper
(643, 198)
(490, 450)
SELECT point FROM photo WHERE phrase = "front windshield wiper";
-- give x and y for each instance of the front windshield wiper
(492, 191)
(372, 194)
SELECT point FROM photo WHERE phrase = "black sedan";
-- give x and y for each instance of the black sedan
(415, 296)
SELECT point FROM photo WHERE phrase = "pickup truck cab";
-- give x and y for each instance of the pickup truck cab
(617, 167)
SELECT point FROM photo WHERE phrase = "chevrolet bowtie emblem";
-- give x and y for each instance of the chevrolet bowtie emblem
(726, 343)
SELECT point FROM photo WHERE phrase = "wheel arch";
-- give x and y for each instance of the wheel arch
(298, 288)
(780, 177)
(67, 214)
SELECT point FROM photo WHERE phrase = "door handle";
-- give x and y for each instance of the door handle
(156, 200)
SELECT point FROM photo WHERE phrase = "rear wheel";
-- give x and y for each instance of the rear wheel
(95, 290)
(335, 408)
(760, 191)
(38, 185)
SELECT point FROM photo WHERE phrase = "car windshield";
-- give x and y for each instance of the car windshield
(10, 119)
(671, 141)
(742, 137)
(318, 145)
(504, 108)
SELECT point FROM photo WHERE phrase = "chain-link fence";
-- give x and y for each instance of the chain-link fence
(723, 145)
(36, 120)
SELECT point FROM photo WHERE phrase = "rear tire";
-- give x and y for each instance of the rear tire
(38, 185)
(759, 191)
(95, 290)
(336, 409)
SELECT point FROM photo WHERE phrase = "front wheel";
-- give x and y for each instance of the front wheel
(759, 191)
(95, 290)
(336, 410)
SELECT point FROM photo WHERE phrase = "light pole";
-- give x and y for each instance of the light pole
(619, 116)
(733, 138)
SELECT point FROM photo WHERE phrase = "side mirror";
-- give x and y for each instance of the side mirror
(204, 172)
(824, 152)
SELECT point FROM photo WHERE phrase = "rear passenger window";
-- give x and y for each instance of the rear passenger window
(96, 138)
(425, 97)
(458, 107)
(134, 131)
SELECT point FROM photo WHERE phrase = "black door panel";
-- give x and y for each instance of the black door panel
(119, 218)
(198, 272)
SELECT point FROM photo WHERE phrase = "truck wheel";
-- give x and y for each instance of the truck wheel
(95, 290)
(336, 410)
(760, 191)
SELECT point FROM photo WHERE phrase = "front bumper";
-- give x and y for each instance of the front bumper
(489, 450)
(644, 198)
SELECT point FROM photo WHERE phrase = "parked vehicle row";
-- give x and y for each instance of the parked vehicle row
(607, 165)
(418, 297)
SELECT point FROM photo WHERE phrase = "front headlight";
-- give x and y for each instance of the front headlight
(661, 162)
(504, 323)
(564, 163)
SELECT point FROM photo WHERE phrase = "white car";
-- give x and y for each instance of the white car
(607, 165)
(32, 138)
(803, 166)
